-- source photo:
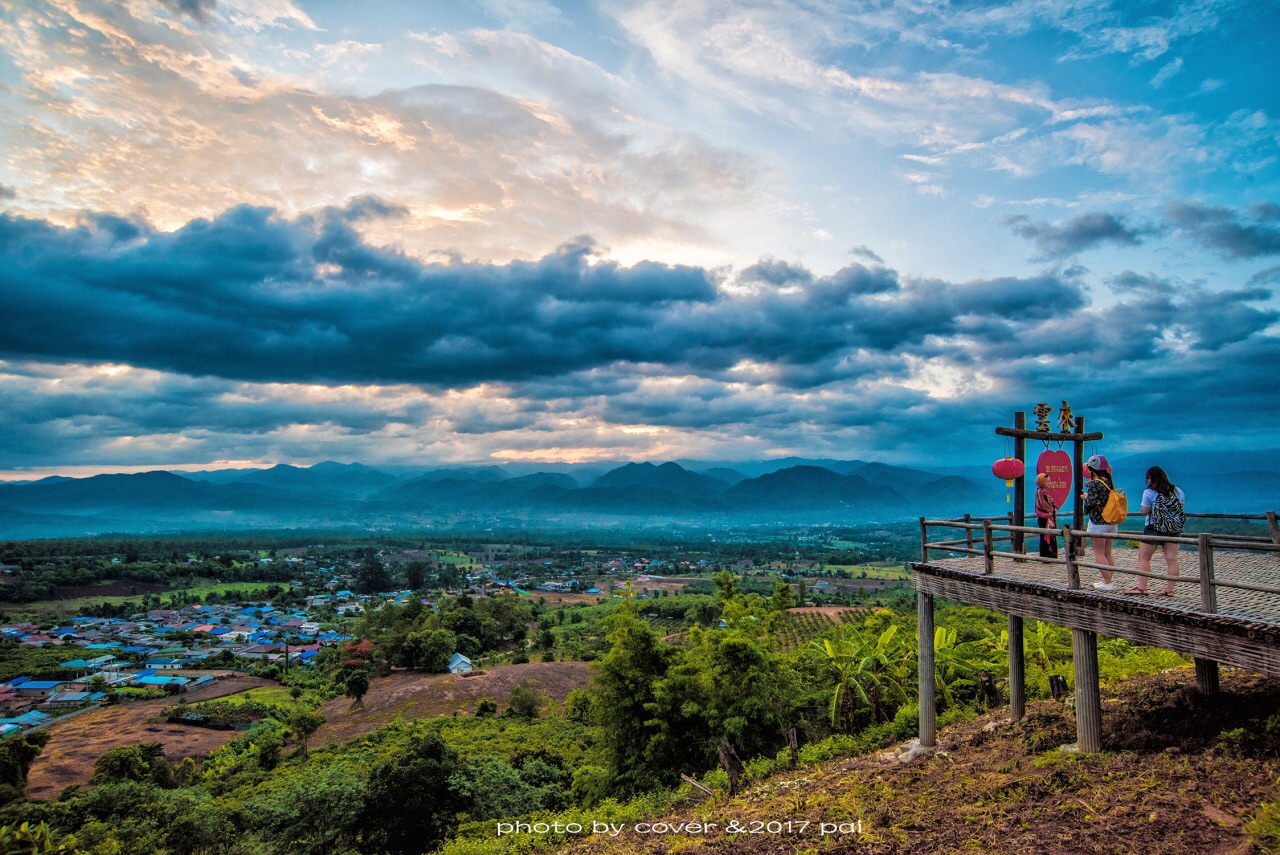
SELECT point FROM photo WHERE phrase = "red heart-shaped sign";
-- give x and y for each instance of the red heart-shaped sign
(1057, 465)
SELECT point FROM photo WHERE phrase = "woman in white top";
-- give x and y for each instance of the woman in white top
(1163, 505)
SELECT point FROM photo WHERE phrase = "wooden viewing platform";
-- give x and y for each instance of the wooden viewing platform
(1225, 607)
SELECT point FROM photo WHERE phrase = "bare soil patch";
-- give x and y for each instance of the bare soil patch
(832, 612)
(75, 743)
(415, 696)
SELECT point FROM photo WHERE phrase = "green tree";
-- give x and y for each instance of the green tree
(357, 685)
(412, 800)
(16, 756)
(525, 700)
(624, 689)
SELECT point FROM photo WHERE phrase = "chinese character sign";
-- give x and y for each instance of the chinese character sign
(1057, 465)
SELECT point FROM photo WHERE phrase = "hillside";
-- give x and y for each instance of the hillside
(415, 695)
(1181, 774)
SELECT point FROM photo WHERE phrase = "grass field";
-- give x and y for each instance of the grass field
(856, 570)
(74, 605)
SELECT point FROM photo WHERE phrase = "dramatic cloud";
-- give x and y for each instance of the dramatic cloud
(1232, 233)
(252, 336)
(1075, 235)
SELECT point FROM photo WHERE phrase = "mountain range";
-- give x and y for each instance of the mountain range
(353, 495)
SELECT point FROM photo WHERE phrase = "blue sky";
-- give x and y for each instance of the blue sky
(243, 232)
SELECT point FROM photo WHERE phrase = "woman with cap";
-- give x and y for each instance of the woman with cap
(1163, 505)
(1097, 491)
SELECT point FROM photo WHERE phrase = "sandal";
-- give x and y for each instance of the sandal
(1135, 592)
(1167, 592)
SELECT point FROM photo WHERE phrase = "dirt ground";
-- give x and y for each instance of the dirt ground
(1180, 774)
(416, 696)
(832, 612)
(75, 743)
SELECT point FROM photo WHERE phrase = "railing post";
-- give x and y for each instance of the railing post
(924, 542)
(1208, 591)
(968, 532)
(1073, 572)
(1273, 527)
(1206, 669)
(988, 560)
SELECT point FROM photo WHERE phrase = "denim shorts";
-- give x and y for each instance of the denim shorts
(1102, 528)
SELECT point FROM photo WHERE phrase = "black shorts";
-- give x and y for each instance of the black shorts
(1150, 530)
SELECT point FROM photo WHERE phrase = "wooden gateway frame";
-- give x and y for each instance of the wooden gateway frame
(1231, 613)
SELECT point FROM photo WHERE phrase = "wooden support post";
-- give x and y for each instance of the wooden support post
(1206, 676)
(925, 667)
(1019, 483)
(1206, 669)
(1073, 572)
(968, 532)
(1077, 485)
(988, 544)
(1274, 527)
(924, 542)
(1084, 650)
(1017, 670)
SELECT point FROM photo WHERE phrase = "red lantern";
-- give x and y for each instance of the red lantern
(1008, 468)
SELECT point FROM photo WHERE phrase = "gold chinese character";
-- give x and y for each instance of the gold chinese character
(1066, 421)
(1042, 412)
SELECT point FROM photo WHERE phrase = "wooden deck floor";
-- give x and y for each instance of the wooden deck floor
(1244, 632)
(1249, 567)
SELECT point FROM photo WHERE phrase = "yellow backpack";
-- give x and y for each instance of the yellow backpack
(1116, 510)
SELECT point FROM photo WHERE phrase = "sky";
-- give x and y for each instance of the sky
(249, 232)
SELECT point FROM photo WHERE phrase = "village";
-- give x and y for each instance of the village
(176, 642)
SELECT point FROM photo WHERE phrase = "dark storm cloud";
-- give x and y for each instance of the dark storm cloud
(866, 254)
(1073, 236)
(253, 296)
(1235, 234)
(223, 309)
(197, 10)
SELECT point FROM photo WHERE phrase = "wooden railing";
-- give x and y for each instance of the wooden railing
(981, 534)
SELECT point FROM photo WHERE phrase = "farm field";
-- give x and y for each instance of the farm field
(75, 743)
(74, 600)
(413, 696)
(895, 572)
(802, 625)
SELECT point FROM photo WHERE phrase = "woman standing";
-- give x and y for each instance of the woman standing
(1096, 493)
(1046, 517)
(1163, 504)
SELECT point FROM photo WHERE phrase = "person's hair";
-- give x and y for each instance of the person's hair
(1104, 477)
(1160, 481)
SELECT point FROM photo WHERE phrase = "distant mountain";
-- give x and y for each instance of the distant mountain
(721, 473)
(105, 492)
(812, 487)
(336, 495)
(334, 479)
(669, 477)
